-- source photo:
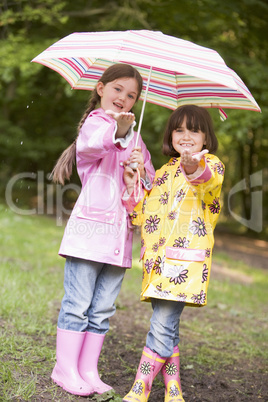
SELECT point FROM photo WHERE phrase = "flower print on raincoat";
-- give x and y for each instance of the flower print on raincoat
(184, 212)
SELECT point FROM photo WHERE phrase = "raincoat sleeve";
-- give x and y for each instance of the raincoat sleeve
(207, 186)
(150, 171)
(124, 142)
(147, 183)
(135, 206)
(97, 137)
(209, 176)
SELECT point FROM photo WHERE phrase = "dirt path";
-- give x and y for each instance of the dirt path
(244, 382)
(251, 251)
(121, 354)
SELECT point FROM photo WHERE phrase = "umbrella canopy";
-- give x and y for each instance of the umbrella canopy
(175, 71)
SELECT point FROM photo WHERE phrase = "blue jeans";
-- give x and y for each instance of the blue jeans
(163, 335)
(91, 289)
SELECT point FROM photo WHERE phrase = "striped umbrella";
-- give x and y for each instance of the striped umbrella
(175, 71)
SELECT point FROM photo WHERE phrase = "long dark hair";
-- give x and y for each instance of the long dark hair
(197, 118)
(63, 169)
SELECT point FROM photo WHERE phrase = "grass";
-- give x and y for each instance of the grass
(31, 276)
(233, 327)
(234, 323)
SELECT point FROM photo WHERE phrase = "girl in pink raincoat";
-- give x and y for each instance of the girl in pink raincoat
(97, 242)
(178, 217)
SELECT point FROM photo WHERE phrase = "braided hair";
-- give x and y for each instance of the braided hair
(64, 166)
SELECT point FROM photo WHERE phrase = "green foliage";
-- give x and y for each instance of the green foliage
(31, 277)
(27, 293)
(39, 112)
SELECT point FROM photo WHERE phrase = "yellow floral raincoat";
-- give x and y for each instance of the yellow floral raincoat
(178, 217)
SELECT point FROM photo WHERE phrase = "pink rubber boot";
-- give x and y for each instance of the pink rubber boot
(65, 372)
(88, 362)
(150, 365)
(171, 374)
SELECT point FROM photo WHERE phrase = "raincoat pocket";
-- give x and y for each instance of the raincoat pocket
(185, 275)
(185, 254)
(184, 265)
(98, 215)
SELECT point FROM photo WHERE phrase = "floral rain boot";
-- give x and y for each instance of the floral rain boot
(171, 374)
(150, 365)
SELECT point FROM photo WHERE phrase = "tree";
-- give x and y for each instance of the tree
(39, 112)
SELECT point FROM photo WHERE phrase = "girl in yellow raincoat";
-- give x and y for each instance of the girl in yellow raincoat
(177, 217)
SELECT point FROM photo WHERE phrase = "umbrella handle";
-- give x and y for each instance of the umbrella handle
(143, 105)
(134, 165)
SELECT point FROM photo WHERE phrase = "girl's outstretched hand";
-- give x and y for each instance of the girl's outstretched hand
(124, 121)
(188, 159)
(190, 162)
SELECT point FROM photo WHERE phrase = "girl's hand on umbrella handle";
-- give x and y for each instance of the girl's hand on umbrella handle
(124, 121)
(130, 178)
(136, 161)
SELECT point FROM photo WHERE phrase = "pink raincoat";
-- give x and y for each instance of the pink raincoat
(98, 228)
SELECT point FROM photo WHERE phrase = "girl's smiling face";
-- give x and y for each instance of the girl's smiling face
(119, 95)
(183, 138)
